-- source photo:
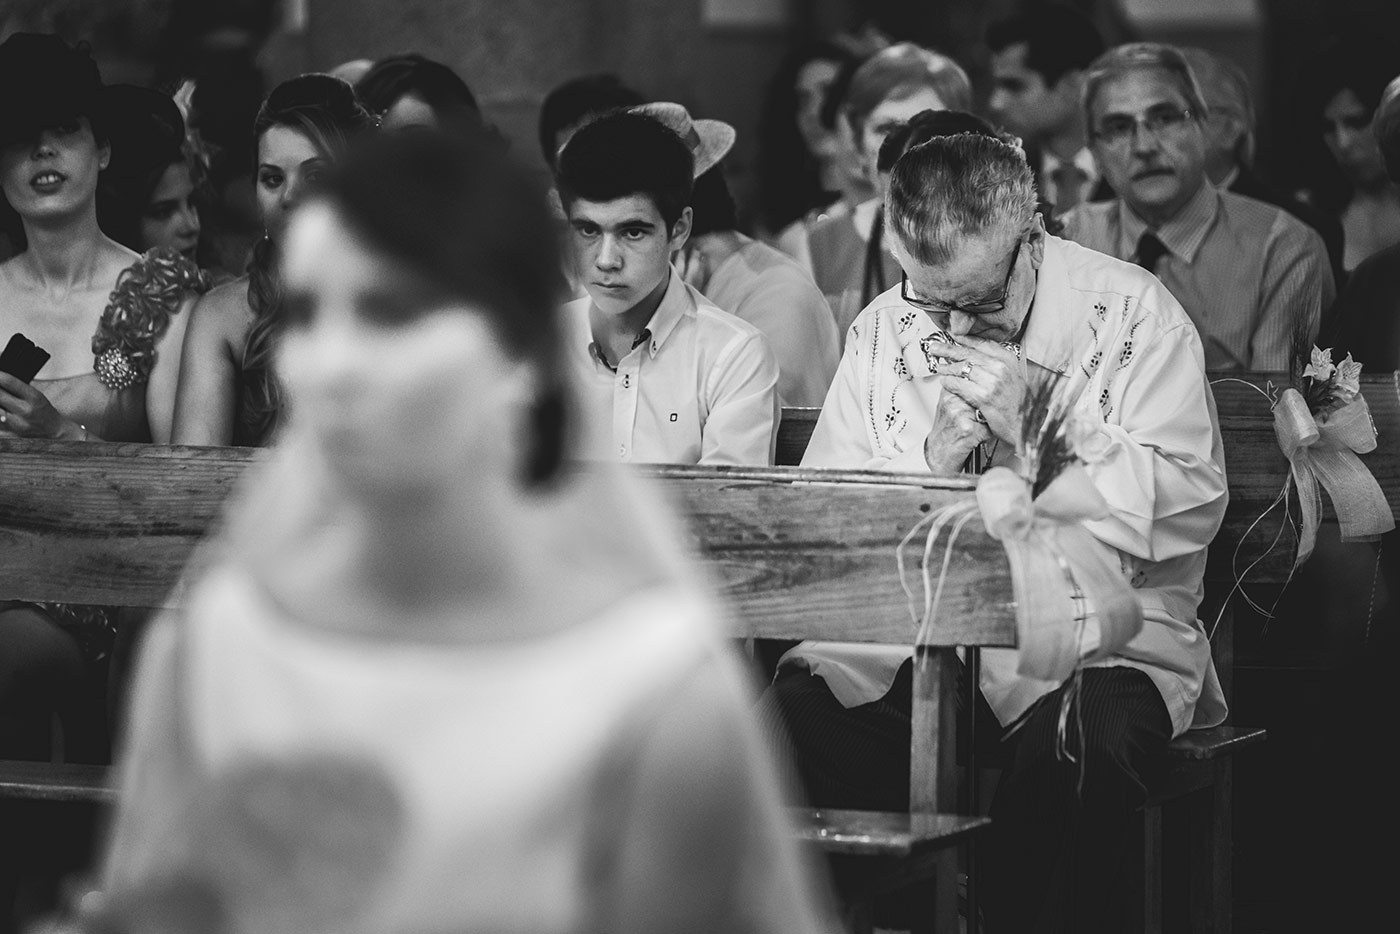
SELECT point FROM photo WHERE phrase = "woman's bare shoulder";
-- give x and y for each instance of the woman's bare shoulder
(221, 315)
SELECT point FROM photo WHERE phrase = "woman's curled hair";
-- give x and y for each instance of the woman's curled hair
(325, 110)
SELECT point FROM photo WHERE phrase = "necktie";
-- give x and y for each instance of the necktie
(1069, 181)
(1150, 250)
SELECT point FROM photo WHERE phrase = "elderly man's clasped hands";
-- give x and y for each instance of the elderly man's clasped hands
(984, 392)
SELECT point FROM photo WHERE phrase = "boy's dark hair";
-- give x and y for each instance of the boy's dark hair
(1058, 39)
(621, 154)
(573, 101)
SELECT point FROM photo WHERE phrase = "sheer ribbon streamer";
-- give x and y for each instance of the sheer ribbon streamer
(1322, 452)
(1051, 555)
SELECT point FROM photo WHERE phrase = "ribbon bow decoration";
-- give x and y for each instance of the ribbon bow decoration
(1322, 452)
(1059, 573)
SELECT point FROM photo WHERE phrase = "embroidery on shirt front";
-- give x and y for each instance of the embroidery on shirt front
(1105, 405)
(895, 414)
(870, 392)
(1125, 356)
(1092, 365)
(906, 321)
(1101, 310)
(901, 369)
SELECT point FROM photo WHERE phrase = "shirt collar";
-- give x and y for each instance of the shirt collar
(1046, 340)
(677, 301)
(1184, 233)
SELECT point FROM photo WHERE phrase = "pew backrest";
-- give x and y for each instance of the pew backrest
(1254, 465)
(797, 553)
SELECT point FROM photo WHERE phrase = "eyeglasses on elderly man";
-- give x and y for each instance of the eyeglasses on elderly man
(985, 306)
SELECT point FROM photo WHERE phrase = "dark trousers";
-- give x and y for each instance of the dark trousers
(1053, 857)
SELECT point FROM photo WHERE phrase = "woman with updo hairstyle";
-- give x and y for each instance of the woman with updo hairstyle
(229, 393)
(434, 675)
(109, 323)
(408, 91)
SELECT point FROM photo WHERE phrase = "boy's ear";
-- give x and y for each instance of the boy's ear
(680, 232)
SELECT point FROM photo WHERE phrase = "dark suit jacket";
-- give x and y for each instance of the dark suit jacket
(1365, 320)
(1249, 184)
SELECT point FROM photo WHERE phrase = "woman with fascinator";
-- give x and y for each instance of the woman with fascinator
(229, 393)
(434, 676)
(110, 321)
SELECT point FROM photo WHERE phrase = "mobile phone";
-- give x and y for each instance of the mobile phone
(22, 358)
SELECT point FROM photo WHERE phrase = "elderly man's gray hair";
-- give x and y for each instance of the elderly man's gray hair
(1143, 56)
(957, 186)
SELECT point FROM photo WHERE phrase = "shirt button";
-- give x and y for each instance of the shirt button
(622, 450)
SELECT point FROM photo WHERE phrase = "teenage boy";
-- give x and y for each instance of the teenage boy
(665, 376)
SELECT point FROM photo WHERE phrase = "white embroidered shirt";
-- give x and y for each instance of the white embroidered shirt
(1133, 364)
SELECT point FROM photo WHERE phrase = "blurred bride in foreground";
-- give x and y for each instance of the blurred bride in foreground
(432, 676)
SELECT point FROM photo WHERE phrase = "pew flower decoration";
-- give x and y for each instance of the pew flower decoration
(1064, 583)
(1326, 385)
(1322, 423)
(1072, 602)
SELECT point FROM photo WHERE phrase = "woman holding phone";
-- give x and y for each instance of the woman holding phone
(111, 321)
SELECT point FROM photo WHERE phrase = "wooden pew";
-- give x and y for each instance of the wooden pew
(1192, 797)
(113, 524)
(116, 524)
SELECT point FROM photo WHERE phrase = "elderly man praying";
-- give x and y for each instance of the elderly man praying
(935, 380)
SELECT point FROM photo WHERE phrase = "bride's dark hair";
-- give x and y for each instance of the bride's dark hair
(476, 227)
(325, 110)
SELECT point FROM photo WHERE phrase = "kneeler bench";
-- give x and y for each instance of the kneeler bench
(798, 554)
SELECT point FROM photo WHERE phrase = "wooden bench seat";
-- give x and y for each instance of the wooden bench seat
(1204, 745)
(799, 553)
(881, 833)
(56, 781)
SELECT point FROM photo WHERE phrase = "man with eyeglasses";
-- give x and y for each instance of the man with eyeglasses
(939, 367)
(1249, 274)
